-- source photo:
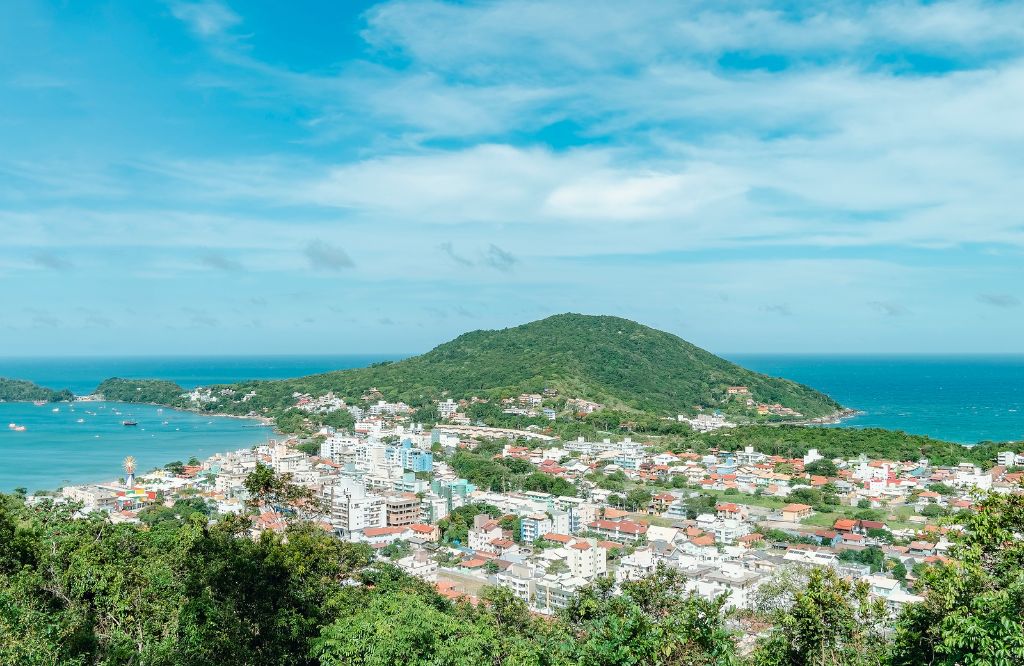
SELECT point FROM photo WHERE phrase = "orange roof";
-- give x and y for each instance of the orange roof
(581, 545)
(795, 508)
(382, 531)
(555, 536)
(845, 524)
(706, 540)
(422, 528)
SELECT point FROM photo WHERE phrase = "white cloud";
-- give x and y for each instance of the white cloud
(207, 18)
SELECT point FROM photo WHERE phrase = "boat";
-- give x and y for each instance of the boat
(38, 403)
(12, 426)
(80, 421)
(19, 428)
(129, 423)
(55, 409)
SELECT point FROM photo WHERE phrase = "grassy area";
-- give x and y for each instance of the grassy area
(745, 499)
(824, 519)
(647, 519)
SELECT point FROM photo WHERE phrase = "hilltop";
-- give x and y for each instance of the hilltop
(609, 360)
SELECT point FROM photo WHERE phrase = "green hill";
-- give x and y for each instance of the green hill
(12, 390)
(613, 361)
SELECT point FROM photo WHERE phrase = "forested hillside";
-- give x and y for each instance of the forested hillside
(609, 360)
(19, 389)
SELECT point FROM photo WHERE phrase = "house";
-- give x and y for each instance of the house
(619, 530)
(485, 530)
(426, 532)
(828, 538)
(844, 525)
(382, 536)
(794, 513)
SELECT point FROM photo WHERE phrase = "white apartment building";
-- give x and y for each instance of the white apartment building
(553, 592)
(580, 511)
(519, 579)
(352, 509)
(338, 448)
(447, 409)
(586, 559)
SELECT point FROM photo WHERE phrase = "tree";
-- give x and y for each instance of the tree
(972, 613)
(638, 499)
(177, 467)
(403, 628)
(266, 488)
(831, 621)
(822, 468)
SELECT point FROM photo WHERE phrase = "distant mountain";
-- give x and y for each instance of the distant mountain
(12, 390)
(613, 361)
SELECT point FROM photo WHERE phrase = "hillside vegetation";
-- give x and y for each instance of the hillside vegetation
(609, 360)
(875, 443)
(12, 390)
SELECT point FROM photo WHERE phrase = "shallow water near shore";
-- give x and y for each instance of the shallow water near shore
(87, 442)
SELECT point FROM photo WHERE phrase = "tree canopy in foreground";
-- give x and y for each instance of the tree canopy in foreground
(184, 590)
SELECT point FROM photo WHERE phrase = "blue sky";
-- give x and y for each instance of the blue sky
(339, 177)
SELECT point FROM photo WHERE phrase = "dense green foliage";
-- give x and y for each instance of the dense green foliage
(14, 390)
(181, 590)
(606, 359)
(156, 391)
(506, 474)
(795, 441)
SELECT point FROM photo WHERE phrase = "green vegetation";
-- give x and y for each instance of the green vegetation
(157, 391)
(506, 474)
(795, 441)
(181, 590)
(18, 390)
(616, 362)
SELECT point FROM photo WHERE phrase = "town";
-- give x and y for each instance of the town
(729, 521)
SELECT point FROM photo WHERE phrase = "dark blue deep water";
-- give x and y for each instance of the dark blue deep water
(963, 399)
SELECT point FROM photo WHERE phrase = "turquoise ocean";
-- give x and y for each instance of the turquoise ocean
(86, 441)
(962, 399)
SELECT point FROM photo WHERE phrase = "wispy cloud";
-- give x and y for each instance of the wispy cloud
(207, 18)
(449, 249)
(200, 317)
(323, 255)
(781, 309)
(51, 261)
(999, 300)
(889, 309)
(499, 259)
(219, 261)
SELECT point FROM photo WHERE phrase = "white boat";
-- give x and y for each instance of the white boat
(19, 428)
(80, 421)
(55, 409)
(12, 426)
